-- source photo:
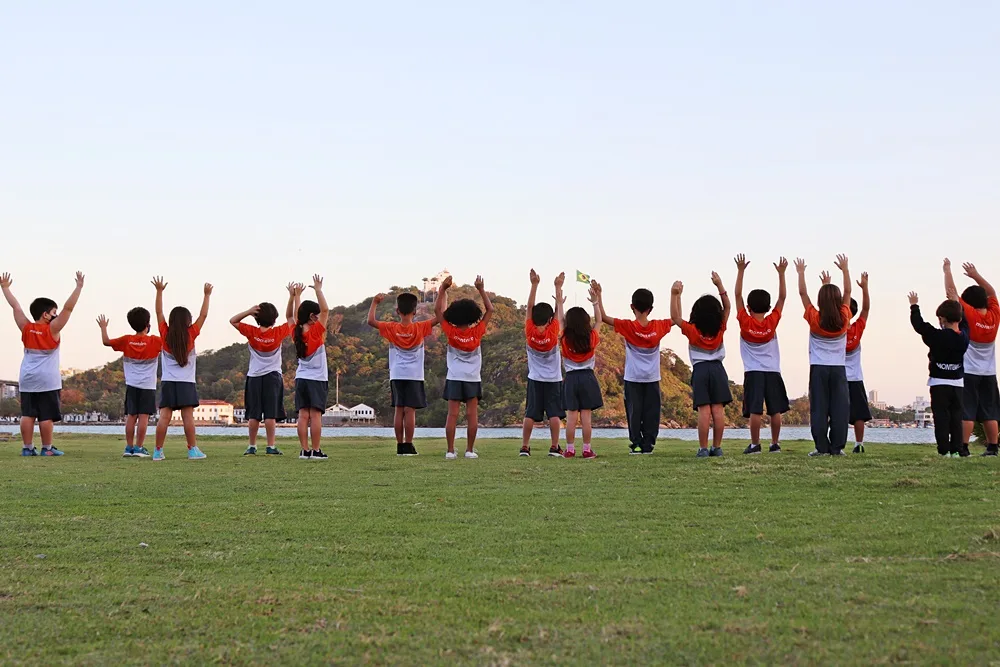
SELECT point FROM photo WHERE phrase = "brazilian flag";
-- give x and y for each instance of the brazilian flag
(582, 277)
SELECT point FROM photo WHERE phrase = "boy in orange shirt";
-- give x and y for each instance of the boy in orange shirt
(264, 389)
(981, 400)
(406, 365)
(762, 381)
(642, 369)
(545, 387)
(860, 412)
(140, 352)
(40, 380)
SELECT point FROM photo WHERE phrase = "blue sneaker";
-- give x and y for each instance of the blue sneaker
(703, 453)
(51, 451)
(158, 454)
(29, 451)
(140, 452)
(129, 452)
(715, 451)
(195, 454)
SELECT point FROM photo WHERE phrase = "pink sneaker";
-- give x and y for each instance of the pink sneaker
(569, 454)
(589, 454)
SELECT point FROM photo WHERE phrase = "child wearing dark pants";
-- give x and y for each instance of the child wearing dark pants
(947, 347)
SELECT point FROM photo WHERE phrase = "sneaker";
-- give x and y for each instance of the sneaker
(411, 450)
(568, 454)
(273, 451)
(140, 452)
(839, 452)
(474, 455)
(251, 451)
(305, 454)
(318, 455)
(858, 449)
(556, 451)
(991, 450)
(816, 452)
(129, 452)
(774, 449)
(753, 449)
(703, 453)
(964, 451)
(406, 449)
(715, 451)
(158, 454)
(195, 454)
(589, 454)
(646, 451)
(525, 451)
(450, 456)
(400, 449)
(29, 451)
(634, 449)
(52, 451)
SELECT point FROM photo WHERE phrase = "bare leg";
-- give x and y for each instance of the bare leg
(140, 433)
(859, 431)
(130, 429)
(775, 429)
(302, 428)
(704, 423)
(967, 431)
(718, 424)
(397, 424)
(990, 427)
(585, 417)
(572, 417)
(451, 424)
(270, 429)
(472, 419)
(316, 427)
(254, 428)
(187, 417)
(526, 427)
(27, 430)
(45, 429)
(162, 424)
(409, 424)
(755, 429)
(555, 425)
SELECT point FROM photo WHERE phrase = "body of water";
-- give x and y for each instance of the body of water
(872, 435)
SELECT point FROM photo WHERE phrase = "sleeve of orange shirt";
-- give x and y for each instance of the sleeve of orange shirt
(447, 328)
(595, 338)
(690, 331)
(622, 326)
(245, 329)
(845, 313)
(163, 329)
(993, 307)
(194, 331)
(774, 318)
(811, 316)
(425, 328)
(119, 344)
(479, 330)
(383, 329)
(861, 324)
(663, 327)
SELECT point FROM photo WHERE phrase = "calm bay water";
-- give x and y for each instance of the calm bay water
(873, 435)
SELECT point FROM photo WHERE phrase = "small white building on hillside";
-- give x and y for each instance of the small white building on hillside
(362, 413)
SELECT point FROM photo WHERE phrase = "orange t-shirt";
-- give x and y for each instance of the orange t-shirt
(643, 336)
(701, 341)
(314, 337)
(757, 331)
(983, 328)
(854, 334)
(406, 336)
(140, 347)
(542, 339)
(569, 354)
(466, 340)
(193, 332)
(267, 340)
(812, 317)
(38, 336)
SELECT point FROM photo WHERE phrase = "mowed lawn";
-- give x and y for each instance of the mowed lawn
(890, 557)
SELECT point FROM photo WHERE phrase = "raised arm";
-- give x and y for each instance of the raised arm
(203, 315)
(675, 303)
(950, 291)
(324, 308)
(726, 304)
(103, 323)
(19, 317)
(780, 267)
(841, 264)
(800, 268)
(970, 270)
(866, 299)
(916, 321)
(67, 310)
(376, 300)
(605, 318)
(596, 303)
(293, 303)
(741, 267)
(560, 301)
(160, 286)
(441, 301)
(239, 317)
(487, 304)
(535, 279)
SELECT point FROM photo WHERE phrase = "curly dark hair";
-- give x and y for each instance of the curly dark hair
(706, 315)
(463, 313)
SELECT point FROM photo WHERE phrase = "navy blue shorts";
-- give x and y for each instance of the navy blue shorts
(264, 397)
(177, 395)
(710, 384)
(311, 394)
(545, 400)
(43, 406)
(459, 390)
(139, 401)
(582, 391)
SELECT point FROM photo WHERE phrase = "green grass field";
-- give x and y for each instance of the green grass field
(369, 558)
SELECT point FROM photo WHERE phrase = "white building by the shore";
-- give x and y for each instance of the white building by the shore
(362, 413)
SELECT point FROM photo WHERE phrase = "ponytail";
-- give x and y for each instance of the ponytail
(306, 310)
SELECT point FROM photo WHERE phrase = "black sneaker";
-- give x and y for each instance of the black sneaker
(410, 449)
(991, 450)
(858, 449)
(635, 449)
(964, 450)
(716, 451)
(400, 449)
(837, 452)
(318, 455)
(525, 451)
(556, 451)
(774, 449)
(753, 449)
(305, 454)
(816, 452)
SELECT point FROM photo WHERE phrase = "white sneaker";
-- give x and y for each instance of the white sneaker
(471, 455)
(450, 456)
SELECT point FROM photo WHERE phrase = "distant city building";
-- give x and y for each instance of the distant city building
(85, 418)
(920, 404)
(431, 285)
(209, 412)
(9, 389)
(874, 402)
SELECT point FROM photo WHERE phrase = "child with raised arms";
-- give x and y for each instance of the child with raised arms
(642, 369)
(178, 369)
(581, 390)
(140, 353)
(40, 380)
(948, 342)
(464, 325)
(981, 400)
(406, 365)
(264, 389)
(312, 372)
(762, 381)
(545, 386)
(860, 412)
(705, 330)
(829, 394)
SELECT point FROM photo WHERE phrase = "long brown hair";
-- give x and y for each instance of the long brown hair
(178, 339)
(306, 310)
(577, 330)
(829, 303)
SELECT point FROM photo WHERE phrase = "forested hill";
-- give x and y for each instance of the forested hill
(361, 356)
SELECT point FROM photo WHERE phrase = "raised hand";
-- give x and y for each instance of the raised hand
(826, 277)
(677, 287)
(592, 294)
(378, 298)
(102, 321)
(800, 265)
(291, 288)
(317, 282)
(79, 279)
(534, 277)
(479, 283)
(970, 270)
(717, 280)
(6, 281)
(299, 288)
(254, 310)
(596, 286)
(158, 283)
(560, 280)
(841, 262)
(781, 266)
(863, 283)
(913, 298)
(741, 262)
(446, 283)
(947, 264)
(208, 289)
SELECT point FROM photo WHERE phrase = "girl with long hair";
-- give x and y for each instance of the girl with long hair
(581, 390)
(312, 373)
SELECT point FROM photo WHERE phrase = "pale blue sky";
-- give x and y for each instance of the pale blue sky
(252, 143)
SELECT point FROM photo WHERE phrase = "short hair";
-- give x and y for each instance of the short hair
(138, 319)
(950, 311)
(854, 307)
(267, 314)
(975, 296)
(463, 313)
(759, 301)
(406, 303)
(40, 306)
(542, 314)
(642, 300)
(706, 315)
